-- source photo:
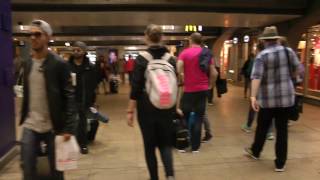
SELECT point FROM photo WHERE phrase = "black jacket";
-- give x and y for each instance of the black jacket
(60, 93)
(87, 81)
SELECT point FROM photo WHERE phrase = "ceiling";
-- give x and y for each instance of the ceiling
(71, 14)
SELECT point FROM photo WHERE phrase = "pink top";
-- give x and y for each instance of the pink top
(194, 79)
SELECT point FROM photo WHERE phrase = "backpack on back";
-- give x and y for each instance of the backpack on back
(161, 81)
(204, 60)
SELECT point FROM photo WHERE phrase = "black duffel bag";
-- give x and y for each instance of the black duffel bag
(297, 108)
(181, 133)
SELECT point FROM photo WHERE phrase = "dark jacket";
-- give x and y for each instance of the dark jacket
(60, 93)
(138, 82)
(87, 81)
(247, 68)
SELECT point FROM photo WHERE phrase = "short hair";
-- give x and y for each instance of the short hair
(154, 33)
(196, 38)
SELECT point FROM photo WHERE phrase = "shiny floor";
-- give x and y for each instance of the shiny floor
(118, 154)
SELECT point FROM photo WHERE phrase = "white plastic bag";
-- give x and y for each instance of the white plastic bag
(67, 153)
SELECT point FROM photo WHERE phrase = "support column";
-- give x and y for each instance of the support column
(7, 120)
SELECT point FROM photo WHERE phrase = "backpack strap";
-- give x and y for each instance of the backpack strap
(149, 57)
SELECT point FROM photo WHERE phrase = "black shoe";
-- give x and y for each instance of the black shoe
(207, 138)
(250, 154)
(84, 150)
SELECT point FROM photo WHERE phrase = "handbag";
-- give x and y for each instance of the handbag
(221, 86)
(297, 108)
(181, 134)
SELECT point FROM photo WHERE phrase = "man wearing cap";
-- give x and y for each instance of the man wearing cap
(273, 94)
(86, 84)
(48, 102)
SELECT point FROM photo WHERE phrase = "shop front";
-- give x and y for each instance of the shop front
(309, 52)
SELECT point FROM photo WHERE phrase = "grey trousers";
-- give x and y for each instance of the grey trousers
(207, 127)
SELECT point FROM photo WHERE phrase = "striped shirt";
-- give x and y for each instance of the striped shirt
(272, 68)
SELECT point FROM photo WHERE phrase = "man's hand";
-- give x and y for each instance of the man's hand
(254, 104)
(130, 116)
(66, 136)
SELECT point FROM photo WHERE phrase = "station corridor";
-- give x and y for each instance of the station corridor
(117, 153)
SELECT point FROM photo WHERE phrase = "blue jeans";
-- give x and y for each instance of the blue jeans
(30, 146)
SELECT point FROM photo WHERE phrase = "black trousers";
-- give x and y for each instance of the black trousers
(210, 95)
(157, 127)
(82, 127)
(265, 117)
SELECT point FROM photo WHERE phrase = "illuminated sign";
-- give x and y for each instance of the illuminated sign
(235, 40)
(193, 28)
(246, 39)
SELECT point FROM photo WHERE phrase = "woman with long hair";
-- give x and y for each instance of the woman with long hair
(156, 124)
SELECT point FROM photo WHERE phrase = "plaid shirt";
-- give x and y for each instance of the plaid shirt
(272, 68)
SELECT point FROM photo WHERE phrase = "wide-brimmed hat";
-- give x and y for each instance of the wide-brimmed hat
(270, 32)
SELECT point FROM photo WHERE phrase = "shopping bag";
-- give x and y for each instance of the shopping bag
(67, 153)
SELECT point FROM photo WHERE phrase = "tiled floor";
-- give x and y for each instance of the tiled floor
(117, 153)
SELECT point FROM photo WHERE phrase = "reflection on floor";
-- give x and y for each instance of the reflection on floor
(117, 153)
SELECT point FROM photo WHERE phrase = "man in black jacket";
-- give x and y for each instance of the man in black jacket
(48, 102)
(86, 84)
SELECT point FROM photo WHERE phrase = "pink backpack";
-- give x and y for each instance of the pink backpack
(161, 81)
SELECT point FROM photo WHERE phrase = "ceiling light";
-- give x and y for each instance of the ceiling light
(199, 28)
(132, 48)
(51, 41)
(67, 44)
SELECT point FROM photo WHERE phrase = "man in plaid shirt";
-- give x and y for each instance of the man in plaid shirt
(273, 94)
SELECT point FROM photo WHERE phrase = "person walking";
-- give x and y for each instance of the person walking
(86, 83)
(196, 85)
(129, 67)
(247, 127)
(246, 71)
(156, 124)
(273, 94)
(48, 106)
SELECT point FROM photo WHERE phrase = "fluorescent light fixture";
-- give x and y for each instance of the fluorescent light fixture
(51, 41)
(132, 48)
(67, 44)
(246, 38)
(199, 28)
(235, 40)
(231, 71)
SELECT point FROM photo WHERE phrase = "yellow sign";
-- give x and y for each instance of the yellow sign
(192, 28)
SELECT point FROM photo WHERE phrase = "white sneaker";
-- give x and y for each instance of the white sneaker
(270, 136)
(182, 151)
(195, 152)
(279, 169)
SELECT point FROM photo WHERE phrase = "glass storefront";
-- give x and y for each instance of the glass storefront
(309, 51)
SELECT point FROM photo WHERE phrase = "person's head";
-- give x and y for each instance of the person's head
(153, 34)
(40, 33)
(196, 39)
(283, 42)
(251, 56)
(270, 35)
(101, 58)
(260, 46)
(79, 49)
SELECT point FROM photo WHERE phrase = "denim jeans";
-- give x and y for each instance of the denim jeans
(194, 102)
(206, 123)
(30, 144)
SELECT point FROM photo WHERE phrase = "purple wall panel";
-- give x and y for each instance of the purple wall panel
(7, 120)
